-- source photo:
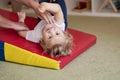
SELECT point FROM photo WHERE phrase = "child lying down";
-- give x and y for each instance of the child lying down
(52, 37)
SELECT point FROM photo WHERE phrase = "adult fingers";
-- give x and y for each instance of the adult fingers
(45, 18)
(49, 17)
(43, 14)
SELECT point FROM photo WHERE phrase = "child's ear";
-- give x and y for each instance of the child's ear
(42, 42)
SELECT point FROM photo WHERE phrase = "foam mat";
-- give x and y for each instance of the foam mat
(16, 49)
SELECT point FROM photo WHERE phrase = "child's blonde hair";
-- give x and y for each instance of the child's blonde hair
(58, 50)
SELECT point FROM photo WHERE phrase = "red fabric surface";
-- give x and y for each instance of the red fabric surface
(82, 41)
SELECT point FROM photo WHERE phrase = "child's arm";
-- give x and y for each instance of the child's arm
(22, 33)
(53, 8)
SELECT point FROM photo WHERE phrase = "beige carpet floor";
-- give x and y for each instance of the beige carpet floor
(100, 62)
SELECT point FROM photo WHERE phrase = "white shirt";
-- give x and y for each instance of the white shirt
(36, 34)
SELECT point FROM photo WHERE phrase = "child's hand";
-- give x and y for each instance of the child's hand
(43, 7)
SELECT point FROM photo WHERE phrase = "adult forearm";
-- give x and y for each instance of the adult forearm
(6, 23)
(30, 3)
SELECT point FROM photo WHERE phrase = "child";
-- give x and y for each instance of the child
(52, 37)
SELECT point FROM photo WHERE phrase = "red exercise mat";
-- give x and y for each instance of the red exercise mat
(82, 40)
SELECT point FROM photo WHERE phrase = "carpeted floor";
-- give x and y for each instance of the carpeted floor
(100, 62)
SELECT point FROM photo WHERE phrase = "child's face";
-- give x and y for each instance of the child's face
(52, 35)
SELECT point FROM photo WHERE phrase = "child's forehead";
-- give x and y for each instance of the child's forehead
(54, 42)
(57, 40)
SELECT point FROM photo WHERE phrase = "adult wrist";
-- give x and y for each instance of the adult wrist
(33, 4)
(30, 3)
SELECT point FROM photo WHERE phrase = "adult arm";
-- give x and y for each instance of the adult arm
(34, 4)
(6, 23)
(57, 12)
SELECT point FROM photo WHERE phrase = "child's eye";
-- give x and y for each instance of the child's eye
(57, 33)
(49, 37)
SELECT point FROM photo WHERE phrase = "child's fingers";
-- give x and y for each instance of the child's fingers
(41, 9)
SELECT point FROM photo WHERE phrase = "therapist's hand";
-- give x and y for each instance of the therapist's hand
(34, 4)
(45, 16)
